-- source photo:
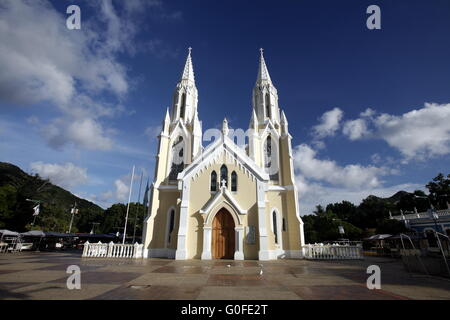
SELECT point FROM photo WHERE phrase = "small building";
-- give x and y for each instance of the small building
(425, 223)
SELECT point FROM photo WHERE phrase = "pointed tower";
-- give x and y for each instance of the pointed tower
(181, 136)
(265, 96)
(185, 97)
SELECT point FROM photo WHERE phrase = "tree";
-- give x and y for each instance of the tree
(324, 226)
(8, 200)
(439, 190)
(344, 210)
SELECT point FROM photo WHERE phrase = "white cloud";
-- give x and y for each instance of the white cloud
(355, 129)
(122, 190)
(153, 131)
(84, 133)
(367, 113)
(312, 194)
(44, 62)
(350, 176)
(421, 133)
(324, 181)
(417, 134)
(376, 158)
(329, 123)
(66, 175)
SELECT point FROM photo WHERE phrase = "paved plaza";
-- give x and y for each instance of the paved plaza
(42, 275)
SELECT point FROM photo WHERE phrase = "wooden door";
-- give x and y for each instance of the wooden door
(223, 235)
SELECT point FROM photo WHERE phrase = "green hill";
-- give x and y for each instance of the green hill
(16, 213)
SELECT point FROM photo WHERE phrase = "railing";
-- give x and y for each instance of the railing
(332, 252)
(421, 215)
(112, 250)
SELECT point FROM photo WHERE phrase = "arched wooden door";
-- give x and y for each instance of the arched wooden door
(223, 235)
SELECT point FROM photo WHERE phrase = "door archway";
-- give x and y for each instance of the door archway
(223, 235)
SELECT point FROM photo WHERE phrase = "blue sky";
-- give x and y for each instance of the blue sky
(369, 110)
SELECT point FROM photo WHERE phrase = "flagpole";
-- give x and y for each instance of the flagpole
(128, 207)
(137, 207)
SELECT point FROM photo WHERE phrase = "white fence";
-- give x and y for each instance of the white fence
(422, 215)
(112, 250)
(332, 252)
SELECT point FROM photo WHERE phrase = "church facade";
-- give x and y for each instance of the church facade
(228, 200)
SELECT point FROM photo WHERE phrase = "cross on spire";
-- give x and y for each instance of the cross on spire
(263, 73)
(188, 71)
(223, 183)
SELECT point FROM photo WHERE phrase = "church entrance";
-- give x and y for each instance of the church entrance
(223, 235)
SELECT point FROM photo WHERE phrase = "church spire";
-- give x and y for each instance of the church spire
(188, 71)
(263, 73)
(265, 96)
(185, 96)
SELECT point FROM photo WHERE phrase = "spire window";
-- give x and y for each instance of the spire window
(183, 106)
(224, 175)
(177, 159)
(233, 181)
(171, 224)
(268, 113)
(213, 181)
(275, 227)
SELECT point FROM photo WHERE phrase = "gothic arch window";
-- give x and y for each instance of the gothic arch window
(270, 158)
(275, 227)
(233, 181)
(268, 152)
(224, 175)
(213, 181)
(171, 224)
(183, 106)
(268, 113)
(177, 158)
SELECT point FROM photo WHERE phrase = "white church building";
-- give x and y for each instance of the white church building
(225, 200)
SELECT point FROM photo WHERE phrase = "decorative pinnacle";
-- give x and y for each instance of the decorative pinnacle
(263, 73)
(188, 71)
(225, 129)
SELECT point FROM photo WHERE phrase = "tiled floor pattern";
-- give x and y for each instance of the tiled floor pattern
(35, 275)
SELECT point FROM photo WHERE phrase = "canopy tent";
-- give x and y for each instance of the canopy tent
(34, 233)
(378, 237)
(412, 236)
(96, 235)
(5, 232)
(41, 234)
(59, 235)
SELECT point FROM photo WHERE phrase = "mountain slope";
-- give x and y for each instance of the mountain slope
(16, 213)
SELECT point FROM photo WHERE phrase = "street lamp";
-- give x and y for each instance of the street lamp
(93, 226)
(36, 209)
(73, 211)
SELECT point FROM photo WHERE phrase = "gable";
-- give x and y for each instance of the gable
(214, 154)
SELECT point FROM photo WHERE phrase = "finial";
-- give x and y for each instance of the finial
(263, 73)
(225, 129)
(189, 49)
